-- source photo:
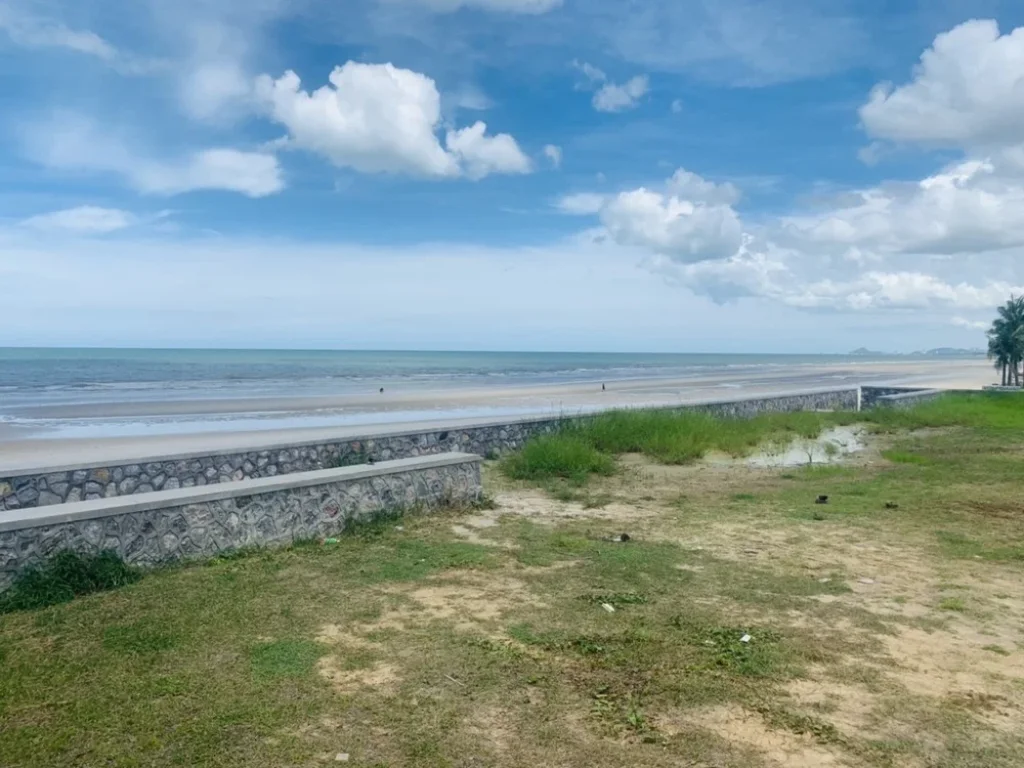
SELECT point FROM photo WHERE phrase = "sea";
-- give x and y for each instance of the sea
(41, 388)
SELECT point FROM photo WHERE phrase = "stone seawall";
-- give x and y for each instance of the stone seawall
(46, 486)
(200, 522)
(904, 400)
(869, 396)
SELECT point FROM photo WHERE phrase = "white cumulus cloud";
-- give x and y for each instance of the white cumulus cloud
(691, 220)
(794, 282)
(683, 230)
(554, 155)
(899, 290)
(581, 204)
(481, 155)
(612, 97)
(954, 240)
(967, 90)
(83, 220)
(966, 208)
(690, 186)
(378, 118)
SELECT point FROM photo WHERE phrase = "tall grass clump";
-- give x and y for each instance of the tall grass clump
(587, 446)
(565, 455)
(985, 410)
(680, 437)
(65, 576)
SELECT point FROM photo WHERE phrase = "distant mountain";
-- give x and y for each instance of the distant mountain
(937, 352)
(954, 352)
(864, 352)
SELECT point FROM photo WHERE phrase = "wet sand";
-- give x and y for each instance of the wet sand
(236, 423)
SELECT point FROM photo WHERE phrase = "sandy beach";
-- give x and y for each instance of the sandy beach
(168, 426)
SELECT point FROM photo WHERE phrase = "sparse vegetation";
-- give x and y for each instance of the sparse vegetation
(587, 447)
(952, 604)
(742, 630)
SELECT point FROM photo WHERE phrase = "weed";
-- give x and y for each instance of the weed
(485, 502)
(904, 457)
(800, 724)
(952, 604)
(409, 559)
(353, 459)
(725, 648)
(615, 599)
(997, 649)
(600, 501)
(65, 576)
(562, 456)
(137, 638)
(284, 658)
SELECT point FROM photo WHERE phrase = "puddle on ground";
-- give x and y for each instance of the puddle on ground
(830, 447)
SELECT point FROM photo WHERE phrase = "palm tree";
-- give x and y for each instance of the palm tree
(999, 353)
(1006, 340)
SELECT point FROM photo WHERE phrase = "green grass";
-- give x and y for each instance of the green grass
(953, 604)
(285, 658)
(138, 638)
(586, 447)
(410, 559)
(903, 457)
(996, 649)
(65, 576)
(987, 411)
(680, 437)
(567, 456)
(960, 545)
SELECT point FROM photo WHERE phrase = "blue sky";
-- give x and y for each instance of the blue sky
(648, 175)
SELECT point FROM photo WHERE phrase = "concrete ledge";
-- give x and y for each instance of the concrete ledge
(121, 505)
(195, 523)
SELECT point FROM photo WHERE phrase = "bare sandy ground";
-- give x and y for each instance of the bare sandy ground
(402, 411)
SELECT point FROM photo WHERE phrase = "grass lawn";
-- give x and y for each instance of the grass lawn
(740, 625)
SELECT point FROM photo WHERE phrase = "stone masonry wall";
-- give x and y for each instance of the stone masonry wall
(904, 400)
(202, 528)
(869, 395)
(66, 486)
